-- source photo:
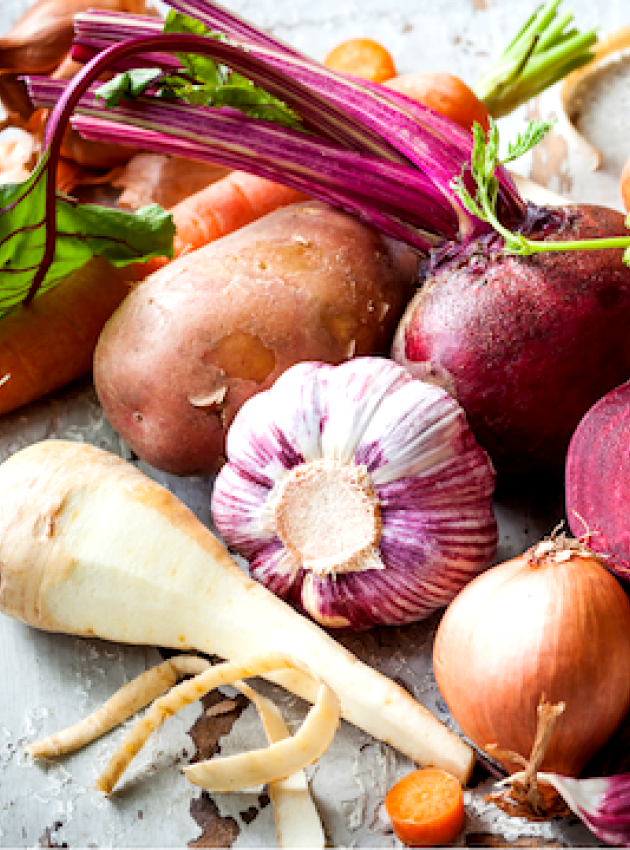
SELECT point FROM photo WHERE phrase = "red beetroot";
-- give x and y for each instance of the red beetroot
(526, 344)
(597, 479)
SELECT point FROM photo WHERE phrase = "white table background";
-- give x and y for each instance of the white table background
(49, 681)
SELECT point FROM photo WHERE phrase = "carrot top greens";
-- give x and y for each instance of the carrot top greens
(483, 204)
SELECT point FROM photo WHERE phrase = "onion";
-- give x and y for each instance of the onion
(553, 621)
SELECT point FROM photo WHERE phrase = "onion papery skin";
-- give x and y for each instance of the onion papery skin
(553, 627)
(597, 479)
(525, 344)
(432, 482)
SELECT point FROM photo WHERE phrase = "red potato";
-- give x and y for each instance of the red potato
(197, 338)
(526, 345)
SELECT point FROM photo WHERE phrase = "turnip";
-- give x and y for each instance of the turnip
(90, 546)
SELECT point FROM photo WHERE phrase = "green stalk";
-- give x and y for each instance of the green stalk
(541, 53)
(483, 163)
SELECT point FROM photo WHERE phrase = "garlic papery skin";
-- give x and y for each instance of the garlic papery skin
(357, 493)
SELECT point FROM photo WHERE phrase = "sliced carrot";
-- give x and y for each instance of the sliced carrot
(362, 57)
(426, 808)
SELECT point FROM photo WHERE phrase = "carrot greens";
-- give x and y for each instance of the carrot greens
(483, 204)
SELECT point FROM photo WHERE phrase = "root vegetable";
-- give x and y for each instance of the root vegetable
(364, 58)
(426, 808)
(200, 336)
(232, 202)
(49, 343)
(525, 344)
(444, 93)
(90, 546)
(597, 479)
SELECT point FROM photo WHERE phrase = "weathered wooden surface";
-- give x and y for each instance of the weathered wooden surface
(49, 681)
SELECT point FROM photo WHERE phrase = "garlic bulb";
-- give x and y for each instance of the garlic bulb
(357, 493)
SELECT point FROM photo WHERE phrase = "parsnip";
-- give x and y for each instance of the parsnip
(90, 546)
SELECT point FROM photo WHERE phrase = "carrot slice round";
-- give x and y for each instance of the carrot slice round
(362, 57)
(426, 808)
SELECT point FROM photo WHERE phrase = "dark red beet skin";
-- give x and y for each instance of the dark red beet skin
(526, 344)
(597, 479)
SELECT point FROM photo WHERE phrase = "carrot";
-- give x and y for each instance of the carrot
(223, 207)
(50, 342)
(444, 93)
(362, 57)
(426, 808)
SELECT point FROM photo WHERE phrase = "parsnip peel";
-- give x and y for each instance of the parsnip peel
(285, 756)
(126, 702)
(297, 821)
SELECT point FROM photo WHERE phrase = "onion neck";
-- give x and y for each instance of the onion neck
(327, 516)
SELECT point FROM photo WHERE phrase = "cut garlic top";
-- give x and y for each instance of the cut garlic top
(357, 493)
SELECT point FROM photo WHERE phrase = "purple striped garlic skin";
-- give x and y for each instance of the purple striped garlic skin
(357, 493)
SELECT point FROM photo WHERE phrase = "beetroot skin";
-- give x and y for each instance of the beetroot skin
(526, 344)
(597, 479)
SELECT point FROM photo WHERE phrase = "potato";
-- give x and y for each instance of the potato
(198, 337)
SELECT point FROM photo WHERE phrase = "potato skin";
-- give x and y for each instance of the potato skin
(197, 338)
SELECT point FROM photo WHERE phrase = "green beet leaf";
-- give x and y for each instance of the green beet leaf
(82, 231)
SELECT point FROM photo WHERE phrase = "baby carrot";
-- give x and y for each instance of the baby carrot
(426, 808)
(362, 57)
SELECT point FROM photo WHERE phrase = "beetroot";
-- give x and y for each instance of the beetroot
(597, 479)
(525, 344)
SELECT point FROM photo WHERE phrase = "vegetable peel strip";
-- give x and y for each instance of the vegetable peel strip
(618, 42)
(284, 757)
(126, 702)
(297, 821)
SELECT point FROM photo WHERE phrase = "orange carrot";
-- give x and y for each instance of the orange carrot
(50, 342)
(222, 207)
(444, 93)
(426, 808)
(362, 57)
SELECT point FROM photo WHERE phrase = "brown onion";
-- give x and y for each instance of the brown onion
(554, 621)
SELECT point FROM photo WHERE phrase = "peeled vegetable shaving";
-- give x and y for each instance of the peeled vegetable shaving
(297, 821)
